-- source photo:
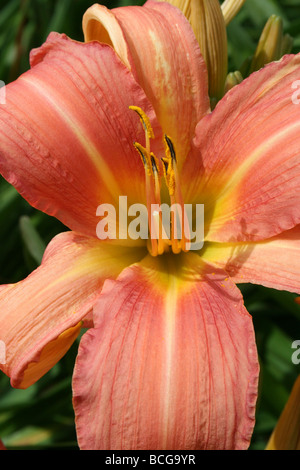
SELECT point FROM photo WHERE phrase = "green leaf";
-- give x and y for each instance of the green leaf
(32, 240)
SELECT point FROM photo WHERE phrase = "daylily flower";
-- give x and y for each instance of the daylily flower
(170, 360)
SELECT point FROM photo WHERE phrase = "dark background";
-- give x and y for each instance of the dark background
(41, 417)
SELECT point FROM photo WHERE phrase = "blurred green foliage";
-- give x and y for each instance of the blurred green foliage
(42, 416)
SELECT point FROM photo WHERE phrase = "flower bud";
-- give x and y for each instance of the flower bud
(233, 78)
(207, 21)
(286, 45)
(230, 8)
(269, 45)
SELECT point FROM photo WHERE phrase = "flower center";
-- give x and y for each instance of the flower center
(168, 225)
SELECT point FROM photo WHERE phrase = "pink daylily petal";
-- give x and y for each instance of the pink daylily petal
(173, 77)
(272, 263)
(247, 171)
(41, 315)
(170, 364)
(67, 132)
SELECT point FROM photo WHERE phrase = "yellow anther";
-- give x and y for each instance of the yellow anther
(169, 177)
(168, 165)
(146, 158)
(169, 149)
(154, 164)
(150, 162)
(144, 120)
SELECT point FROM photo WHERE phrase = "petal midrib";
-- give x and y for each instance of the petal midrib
(170, 327)
(89, 148)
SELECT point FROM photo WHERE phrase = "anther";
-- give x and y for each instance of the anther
(169, 162)
(170, 148)
(144, 120)
(151, 166)
(154, 164)
(172, 181)
(146, 159)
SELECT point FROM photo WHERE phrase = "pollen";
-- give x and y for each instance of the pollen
(169, 176)
(169, 162)
(144, 154)
(154, 164)
(144, 120)
(169, 149)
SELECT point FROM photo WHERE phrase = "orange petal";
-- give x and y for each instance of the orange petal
(67, 132)
(165, 58)
(50, 355)
(41, 316)
(247, 173)
(273, 263)
(170, 364)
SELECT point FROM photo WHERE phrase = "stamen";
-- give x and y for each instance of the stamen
(146, 158)
(170, 151)
(172, 181)
(169, 162)
(159, 241)
(151, 173)
(154, 164)
(163, 241)
(144, 120)
(141, 152)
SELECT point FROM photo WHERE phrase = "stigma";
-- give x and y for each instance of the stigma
(166, 233)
